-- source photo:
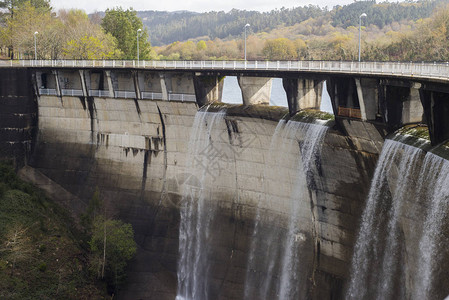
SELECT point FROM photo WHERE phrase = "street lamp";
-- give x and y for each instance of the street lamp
(247, 25)
(138, 30)
(35, 48)
(360, 32)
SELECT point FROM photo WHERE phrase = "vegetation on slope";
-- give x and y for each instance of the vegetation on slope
(401, 31)
(41, 256)
(422, 39)
(44, 256)
(169, 27)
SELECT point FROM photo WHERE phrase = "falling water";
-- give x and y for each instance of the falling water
(433, 242)
(207, 162)
(376, 266)
(394, 257)
(278, 264)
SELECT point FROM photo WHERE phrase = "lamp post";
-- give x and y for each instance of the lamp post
(247, 25)
(138, 30)
(35, 44)
(360, 32)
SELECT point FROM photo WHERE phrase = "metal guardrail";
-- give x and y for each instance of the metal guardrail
(48, 92)
(124, 94)
(421, 70)
(69, 92)
(151, 95)
(182, 97)
(171, 97)
(99, 93)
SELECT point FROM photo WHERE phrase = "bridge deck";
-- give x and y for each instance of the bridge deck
(434, 71)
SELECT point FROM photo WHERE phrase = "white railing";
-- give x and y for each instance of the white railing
(182, 97)
(49, 92)
(68, 92)
(421, 70)
(99, 93)
(151, 95)
(124, 94)
(171, 97)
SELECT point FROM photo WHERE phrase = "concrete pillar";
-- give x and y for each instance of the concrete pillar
(109, 81)
(436, 109)
(412, 109)
(368, 94)
(58, 87)
(83, 83)
(208, 89)
(400, 102)
(135, 75)
(255, 90)
(164, 88)
(344, 96)
(302, 93)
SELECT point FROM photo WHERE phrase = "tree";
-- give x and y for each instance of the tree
(123, 25)
(12, 6)
(89, 47)
(279, 49)
(17, 246)
(112, 245)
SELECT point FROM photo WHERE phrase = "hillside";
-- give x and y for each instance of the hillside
(41, 256)
(168, 27)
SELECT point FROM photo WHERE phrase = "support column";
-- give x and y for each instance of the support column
(344, 96)
(83, 83)
(368, 94)
(208, 89)
(412, 109)
(255, 90)
(436, 108)
(110, 86)
(303, 93)
(58, 87)
(135, 75)
(164, 88)
(400, 102)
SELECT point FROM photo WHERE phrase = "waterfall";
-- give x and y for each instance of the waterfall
(433, 242)
(208, 160)
(395, 256)
(279, 262)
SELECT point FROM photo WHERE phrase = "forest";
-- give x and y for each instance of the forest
(400, 31)
(168, 27)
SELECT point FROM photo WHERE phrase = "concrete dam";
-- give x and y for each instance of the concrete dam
(247, 201)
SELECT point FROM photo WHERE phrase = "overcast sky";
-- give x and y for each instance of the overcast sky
(193, 5)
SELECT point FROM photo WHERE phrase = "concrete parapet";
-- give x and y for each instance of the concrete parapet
(255, 90)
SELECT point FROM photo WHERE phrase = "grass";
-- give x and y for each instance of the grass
(41, 254)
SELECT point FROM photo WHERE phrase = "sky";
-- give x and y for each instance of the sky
(90, 6)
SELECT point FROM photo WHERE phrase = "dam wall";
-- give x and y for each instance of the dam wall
(135, 152)
(18, 115)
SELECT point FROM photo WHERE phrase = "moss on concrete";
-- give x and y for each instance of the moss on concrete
(266, 112)
(417, 130)
(312, 114)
